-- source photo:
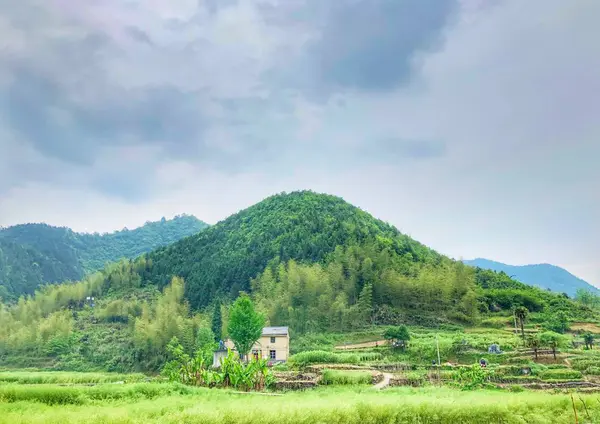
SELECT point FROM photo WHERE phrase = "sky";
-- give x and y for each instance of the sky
(470, 125)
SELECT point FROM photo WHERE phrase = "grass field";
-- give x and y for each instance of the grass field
(168, 403)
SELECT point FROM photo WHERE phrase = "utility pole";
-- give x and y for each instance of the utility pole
(437, 343)
(439, 362)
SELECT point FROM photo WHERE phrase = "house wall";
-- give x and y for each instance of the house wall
(281, 347)
(264, 346)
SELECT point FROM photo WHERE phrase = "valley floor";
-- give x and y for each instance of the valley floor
(130, 403)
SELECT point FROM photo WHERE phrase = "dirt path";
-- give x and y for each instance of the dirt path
(361, 345)
(385, 382)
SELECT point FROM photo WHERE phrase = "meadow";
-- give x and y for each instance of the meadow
(174, 403)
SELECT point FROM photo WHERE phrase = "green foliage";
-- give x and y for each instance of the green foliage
(398, 336)
(217, 321)
(35, 254)
(301, 226)
(560, 374)
(584, 363)
(195, 371)
(339, 377)
(322, 357)
(356, 284)
(473, 377)
(159, 322)
(553, 340)
(588, 339)
(80, 395)
(587, 298)
(245, 324)
(593, 370)
(558, 322)
(59, 377)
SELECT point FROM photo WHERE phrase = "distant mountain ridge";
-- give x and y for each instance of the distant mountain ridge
(35, 254)
(545, 276)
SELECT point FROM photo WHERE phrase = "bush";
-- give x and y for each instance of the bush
(331, 377)
(560, 374)
(582, 364)
(592, 371)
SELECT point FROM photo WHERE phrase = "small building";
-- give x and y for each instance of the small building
(273, 345)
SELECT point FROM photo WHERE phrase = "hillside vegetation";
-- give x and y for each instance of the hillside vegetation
(301, 226)
(34, 254)
(309, 261)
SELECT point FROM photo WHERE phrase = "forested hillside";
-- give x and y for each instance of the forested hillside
(310, 261)
(545, 276)
(34, 254)
(303, 226)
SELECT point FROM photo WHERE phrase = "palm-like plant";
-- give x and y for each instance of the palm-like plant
(521, 313)
(534, 343)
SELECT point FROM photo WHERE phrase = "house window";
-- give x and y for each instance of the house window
(272, 354)
(272, 339)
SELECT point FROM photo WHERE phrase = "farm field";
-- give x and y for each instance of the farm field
(173, 403)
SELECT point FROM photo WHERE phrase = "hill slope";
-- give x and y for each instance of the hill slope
(310, 261)
(34, 254)
(542, 275)
(304, 226)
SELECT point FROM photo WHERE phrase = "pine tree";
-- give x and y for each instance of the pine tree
(217, 321)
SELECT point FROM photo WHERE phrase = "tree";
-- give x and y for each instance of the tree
(521, 313)
(245, 324)
(587, 298)
(588, 339)
(398, 336)
(217, 321)
(552, 340)
(365, 303)
(559, 322)
(534, 343)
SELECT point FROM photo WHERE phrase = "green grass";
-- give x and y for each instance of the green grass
(65, 377)
(560, 374)
(323, 357)
(339, 377)
(327, 405)
(78, 395)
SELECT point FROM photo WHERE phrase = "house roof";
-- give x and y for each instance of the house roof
(275, 331)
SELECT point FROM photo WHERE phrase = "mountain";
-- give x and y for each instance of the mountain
(309, 261)
(303, 226)
(545, 276)
(34, 254)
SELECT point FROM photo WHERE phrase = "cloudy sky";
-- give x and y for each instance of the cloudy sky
(471, 125)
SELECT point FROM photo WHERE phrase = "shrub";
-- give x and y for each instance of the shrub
(592, 371)
(582, 364)
(560, 374)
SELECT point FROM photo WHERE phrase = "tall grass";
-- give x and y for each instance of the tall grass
(336, 405)
(336, 377)
(322, 357)
(78, 395)
(64, 377)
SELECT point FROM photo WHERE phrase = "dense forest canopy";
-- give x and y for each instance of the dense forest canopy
(303, 226)
(34, 254)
